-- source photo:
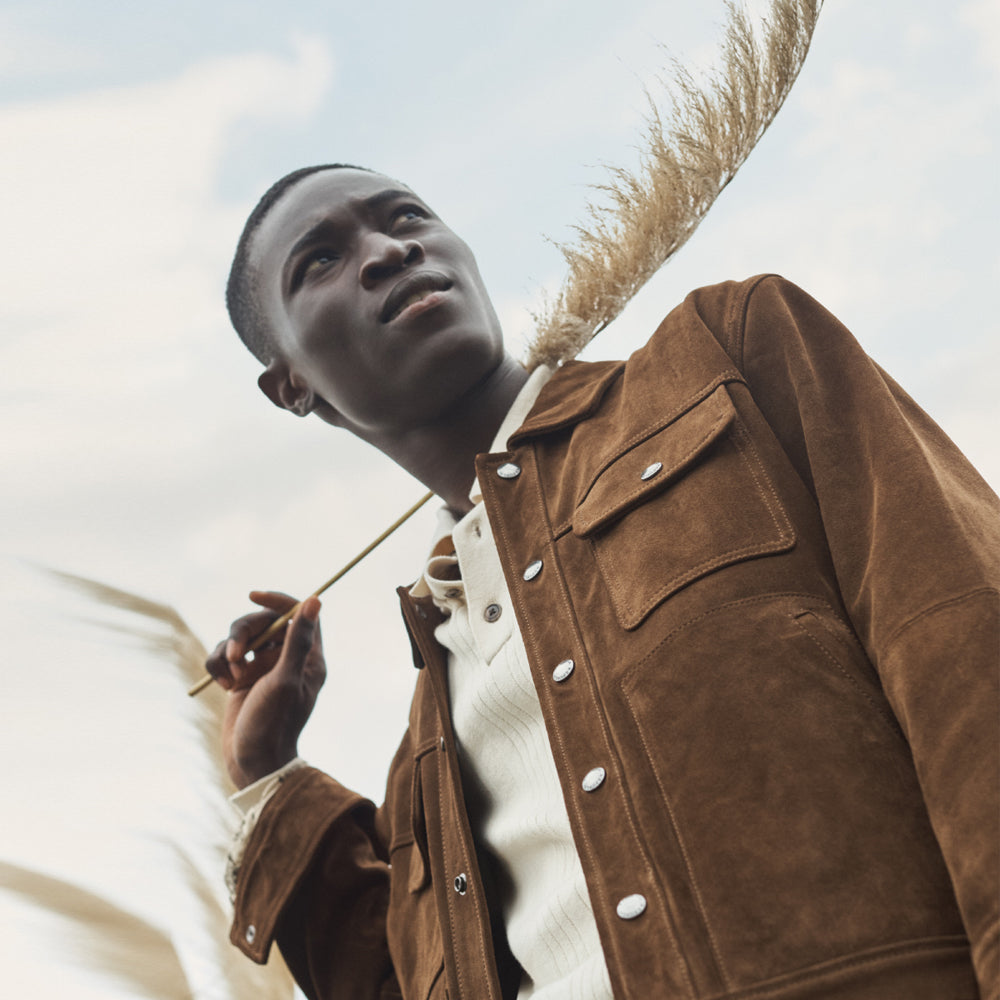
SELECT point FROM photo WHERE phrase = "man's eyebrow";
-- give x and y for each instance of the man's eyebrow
(323, 229)
(391, 194)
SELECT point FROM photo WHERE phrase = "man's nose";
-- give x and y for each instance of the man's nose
(384, 255)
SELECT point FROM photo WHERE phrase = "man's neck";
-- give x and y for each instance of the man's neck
(442, 456)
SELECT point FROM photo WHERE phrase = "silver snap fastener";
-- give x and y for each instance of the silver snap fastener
(251, 934)
(452, 592)
(563, 670)
(533, 569)
(631, 906)
(509, 471)
(650, 471)
(593, 779)
(461, 884)
(492, 612)
(442, 744)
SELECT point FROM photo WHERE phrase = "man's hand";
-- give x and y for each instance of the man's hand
(272, 695)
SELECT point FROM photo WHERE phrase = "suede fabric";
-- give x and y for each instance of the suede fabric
(777, 581)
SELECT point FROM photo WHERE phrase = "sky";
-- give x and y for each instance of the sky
(137, 449)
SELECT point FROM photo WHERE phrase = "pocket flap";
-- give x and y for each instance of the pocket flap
(652, 464)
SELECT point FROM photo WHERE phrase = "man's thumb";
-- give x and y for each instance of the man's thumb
(301, 633)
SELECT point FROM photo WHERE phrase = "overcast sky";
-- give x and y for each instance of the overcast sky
(136, 448)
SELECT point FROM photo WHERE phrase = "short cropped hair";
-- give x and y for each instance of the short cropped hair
(242, 288)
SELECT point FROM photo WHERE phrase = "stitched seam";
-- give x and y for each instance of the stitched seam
(759, 599)
(729, 375)
(892, 951)
(533, 427)
(539, 493)
(751, 457)
(308, 848)
(658, 483)
(476, 900)
(738, 318)
(934, 608)
(447, 889)
(402, 839)
(635, 615)
(840, 669)
(696, 888)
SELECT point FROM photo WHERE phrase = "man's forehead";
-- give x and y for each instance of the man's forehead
(317, 196)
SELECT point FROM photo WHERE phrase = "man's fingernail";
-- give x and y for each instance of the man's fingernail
(310, 608)
(231, 650)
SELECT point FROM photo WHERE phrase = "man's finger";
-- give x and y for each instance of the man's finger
(273, 599)
(244, 630)
(301, 633)
(218, 666)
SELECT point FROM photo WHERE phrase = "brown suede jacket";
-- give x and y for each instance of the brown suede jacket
(777, 582)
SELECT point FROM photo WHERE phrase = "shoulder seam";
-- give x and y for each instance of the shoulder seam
(736, 317)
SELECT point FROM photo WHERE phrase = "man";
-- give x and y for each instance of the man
(706, 700)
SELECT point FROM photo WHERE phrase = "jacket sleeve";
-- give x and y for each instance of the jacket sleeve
(914, 533)
(314, 878)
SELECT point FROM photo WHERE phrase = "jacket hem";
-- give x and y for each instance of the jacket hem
(931, 967)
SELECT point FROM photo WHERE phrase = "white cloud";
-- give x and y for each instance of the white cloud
(983, 16)
(109, 196)
(115, 251)
(25, 53)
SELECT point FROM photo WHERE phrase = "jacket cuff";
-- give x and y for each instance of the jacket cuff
(280, 850)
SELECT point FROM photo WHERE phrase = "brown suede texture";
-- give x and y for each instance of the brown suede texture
(787, 648)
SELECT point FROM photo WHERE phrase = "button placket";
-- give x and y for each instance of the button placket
(542, 595)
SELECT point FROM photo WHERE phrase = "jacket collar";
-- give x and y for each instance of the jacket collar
(572, 394)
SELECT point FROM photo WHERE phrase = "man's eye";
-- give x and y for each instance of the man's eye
(407, 214)
(314, 263)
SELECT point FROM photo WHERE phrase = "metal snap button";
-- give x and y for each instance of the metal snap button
(650, 471)
(563, 670)
(251, 934)
(631, 906)
(533, 569)
(461, 884)
(593, 779)
(492, 612)
(509, 471)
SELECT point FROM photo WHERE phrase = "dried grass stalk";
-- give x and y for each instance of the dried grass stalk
(103, 935)
(690, 154)
(160, 630)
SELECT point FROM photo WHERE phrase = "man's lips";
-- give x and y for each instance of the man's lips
(412, 288)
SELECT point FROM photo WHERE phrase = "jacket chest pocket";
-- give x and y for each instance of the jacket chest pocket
(689, 499)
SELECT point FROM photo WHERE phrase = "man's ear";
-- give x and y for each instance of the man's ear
(285, 390)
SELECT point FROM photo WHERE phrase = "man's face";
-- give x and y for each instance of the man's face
(376, 304)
